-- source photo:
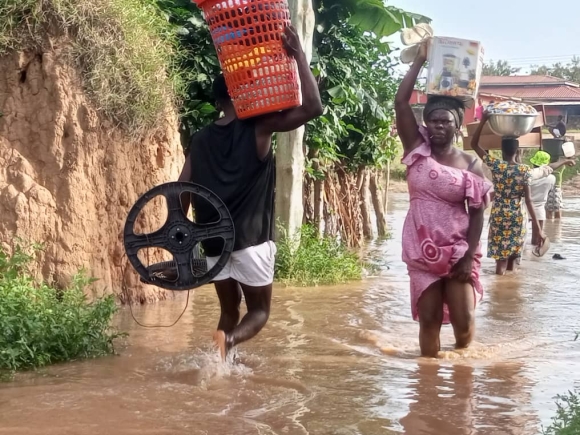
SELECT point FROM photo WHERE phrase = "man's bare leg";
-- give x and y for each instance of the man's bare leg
(230, 296)
(258, 301)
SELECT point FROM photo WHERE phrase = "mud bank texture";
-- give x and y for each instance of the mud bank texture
(68, 177)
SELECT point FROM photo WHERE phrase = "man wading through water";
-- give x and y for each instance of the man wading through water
(234, 159)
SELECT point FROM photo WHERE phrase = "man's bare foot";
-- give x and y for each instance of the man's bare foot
(219, 338)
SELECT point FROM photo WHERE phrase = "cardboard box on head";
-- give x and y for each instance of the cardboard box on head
(455, 67)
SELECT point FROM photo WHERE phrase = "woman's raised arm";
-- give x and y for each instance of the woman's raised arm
(477, 134)
(406, 123)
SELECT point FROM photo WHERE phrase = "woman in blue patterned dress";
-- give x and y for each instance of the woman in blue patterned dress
(511, 182)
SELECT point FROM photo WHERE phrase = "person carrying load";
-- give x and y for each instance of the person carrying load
(234, 159)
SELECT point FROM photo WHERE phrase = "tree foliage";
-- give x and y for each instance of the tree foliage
(374, 16)
(357, 85)
(198, 64)
(569, 71)
(499, 68)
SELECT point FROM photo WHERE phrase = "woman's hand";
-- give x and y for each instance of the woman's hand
(570, 162)
(542, 239)
(485, 117)
(462, 269)
(423, 51)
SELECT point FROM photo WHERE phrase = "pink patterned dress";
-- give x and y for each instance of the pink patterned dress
(435, 230)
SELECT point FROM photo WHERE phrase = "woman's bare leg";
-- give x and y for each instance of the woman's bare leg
(461, 302)
(513, 262)
(501, 266)
(536, 235)
(430, 308)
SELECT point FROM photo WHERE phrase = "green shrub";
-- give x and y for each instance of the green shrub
(567, 418)
(40, 324)
(398, 173)
(307, 260)
(125, 49)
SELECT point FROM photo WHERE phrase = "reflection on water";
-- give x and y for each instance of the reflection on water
(340, 360)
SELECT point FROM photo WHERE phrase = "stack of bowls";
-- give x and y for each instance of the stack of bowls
(511, 119)
(512, 124)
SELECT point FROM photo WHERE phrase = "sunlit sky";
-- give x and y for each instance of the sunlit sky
(523, 32)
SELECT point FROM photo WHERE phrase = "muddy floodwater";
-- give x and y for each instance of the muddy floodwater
(338, 360)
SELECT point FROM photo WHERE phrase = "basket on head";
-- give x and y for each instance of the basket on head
(247, 35)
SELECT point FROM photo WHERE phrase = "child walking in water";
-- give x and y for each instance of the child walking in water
(441, 235)
(507, 225)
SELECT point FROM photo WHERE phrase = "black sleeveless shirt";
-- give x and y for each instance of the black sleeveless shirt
(225, 160)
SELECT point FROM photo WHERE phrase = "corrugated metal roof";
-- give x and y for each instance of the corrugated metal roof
(497, 96)
(520, 80)
(537, 93)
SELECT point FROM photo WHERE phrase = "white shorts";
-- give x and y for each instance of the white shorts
(253, 266)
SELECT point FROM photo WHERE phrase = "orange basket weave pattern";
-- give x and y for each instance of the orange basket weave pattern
(247, 35)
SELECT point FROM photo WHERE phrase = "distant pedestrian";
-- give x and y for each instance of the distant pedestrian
(511, 180)
(559, 129)
(479, 110)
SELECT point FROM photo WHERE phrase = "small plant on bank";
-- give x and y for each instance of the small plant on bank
(40, 324)
(567, 418)
(309, 260)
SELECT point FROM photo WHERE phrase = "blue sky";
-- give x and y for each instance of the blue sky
(547, 32)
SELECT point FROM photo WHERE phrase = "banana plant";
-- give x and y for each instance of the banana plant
(373, 16)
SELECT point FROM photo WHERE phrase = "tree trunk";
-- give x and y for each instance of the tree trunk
(348, 209)
(329, 212)
(363, 189)
(289, 152)
(308, 201)
(386, 181)
(317, 194)
(377, 199)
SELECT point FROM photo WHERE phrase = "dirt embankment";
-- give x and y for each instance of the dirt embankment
(68, 177)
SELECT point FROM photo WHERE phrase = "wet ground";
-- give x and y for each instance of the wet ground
(337, 360)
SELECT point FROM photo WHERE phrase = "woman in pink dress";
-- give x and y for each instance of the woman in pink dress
(441, 235)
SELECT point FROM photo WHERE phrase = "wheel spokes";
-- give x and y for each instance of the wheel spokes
(158, 239)
(181, 237)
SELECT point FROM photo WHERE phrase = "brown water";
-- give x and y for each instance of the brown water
(340, 360)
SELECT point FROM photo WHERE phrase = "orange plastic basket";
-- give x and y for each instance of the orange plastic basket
(260, 76)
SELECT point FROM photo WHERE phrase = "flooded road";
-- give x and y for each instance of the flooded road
(340, 360)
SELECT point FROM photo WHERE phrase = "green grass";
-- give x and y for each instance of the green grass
(567, 418)
(125, 50)
(307, 260)
(40, 324)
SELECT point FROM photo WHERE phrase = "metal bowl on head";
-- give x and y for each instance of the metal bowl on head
(512, 124)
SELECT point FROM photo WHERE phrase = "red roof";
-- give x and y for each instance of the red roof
(523, 81)
(532, 88)
(558, 92)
